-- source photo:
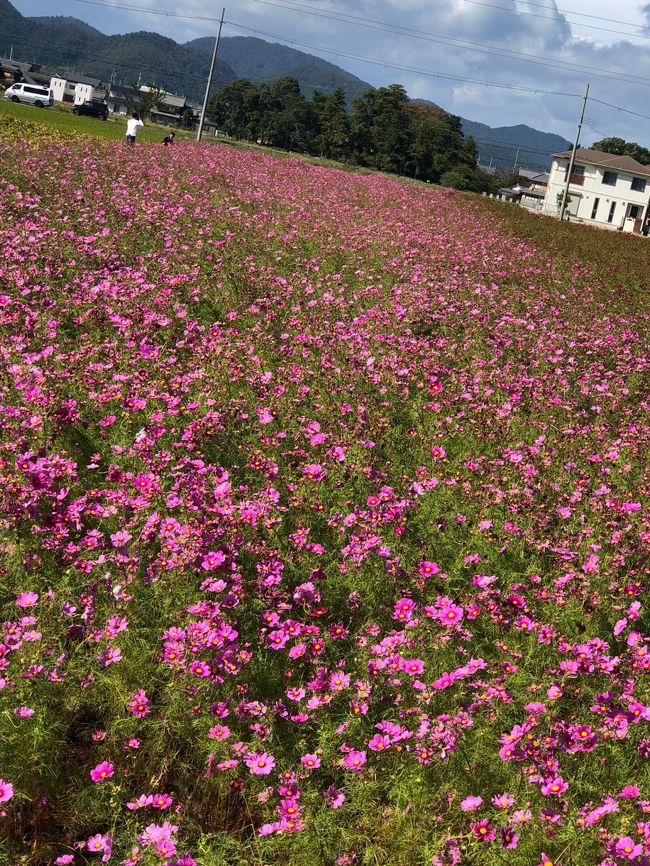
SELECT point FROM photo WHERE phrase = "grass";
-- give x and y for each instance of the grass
(63, 119)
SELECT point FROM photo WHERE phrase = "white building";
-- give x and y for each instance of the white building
(604, 190)
(76, 90)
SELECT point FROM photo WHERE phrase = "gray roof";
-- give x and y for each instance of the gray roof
(606, 160)
(78, 79)
(170, 99)
(536, 176)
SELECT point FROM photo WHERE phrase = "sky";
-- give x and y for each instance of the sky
(451, 52)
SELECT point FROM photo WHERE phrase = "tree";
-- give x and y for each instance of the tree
(620, 147)
(236, 109)
(390, 129)
(148, 99)
(333, 140)
(290, 121)
(187, 118)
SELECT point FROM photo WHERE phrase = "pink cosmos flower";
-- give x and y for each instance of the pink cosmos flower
(27, 599)
(450, 614)
(379, 743)
(120, 538)
(312, 762)
(199, 669)
(627, 847)
(102, 771)
(6, 791)
(314, 471)
(138, 704)
(354, 760)
(161, 801)
(427, 568)
(555, 787)
(64, 859)
(509, 838)
(259, 763)
(483, 830)
(213, 559)
(334, 798)
(471, 804)
(96, 843)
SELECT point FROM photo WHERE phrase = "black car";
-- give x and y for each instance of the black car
(92, 109)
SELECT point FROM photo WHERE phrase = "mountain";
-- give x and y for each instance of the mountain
(262, 61)
(65, 45)
(65, 21)
(505, 146)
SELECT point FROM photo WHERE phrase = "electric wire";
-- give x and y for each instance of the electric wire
(566, 20)
(426, 36)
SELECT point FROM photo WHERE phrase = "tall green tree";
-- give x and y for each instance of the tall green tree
(620, 147)
(390, 129)
(236, 109)
(363, 114)
(333, 139)
(289, 121)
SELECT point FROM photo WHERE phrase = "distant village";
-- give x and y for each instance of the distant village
(169, 110)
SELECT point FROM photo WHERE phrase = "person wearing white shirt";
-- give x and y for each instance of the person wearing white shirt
(132, 126)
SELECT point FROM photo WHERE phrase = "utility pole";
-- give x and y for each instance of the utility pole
(210, 74)
(565, 192)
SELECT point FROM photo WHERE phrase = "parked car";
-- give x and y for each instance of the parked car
(91, 108)
(31, 94)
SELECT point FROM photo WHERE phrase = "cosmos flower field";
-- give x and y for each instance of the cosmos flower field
(324, 521)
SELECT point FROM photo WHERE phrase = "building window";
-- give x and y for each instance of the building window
(612, 208)
(635, 211)
(638, 184)
(594, 209)
(577, 175)
(610, 178)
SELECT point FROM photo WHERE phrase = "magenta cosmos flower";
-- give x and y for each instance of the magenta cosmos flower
(259, 763)
(483, 830)
(6, 791)
(27, 599)
(354, 760)
(102, 772)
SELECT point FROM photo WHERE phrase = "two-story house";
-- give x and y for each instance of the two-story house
(604, 189)
(75, 89)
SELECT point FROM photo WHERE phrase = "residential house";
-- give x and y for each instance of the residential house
(74, 89)
(14, 71)
(168, 109)
(604, 189)
(122, 99)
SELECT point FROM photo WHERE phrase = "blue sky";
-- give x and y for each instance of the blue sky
(543, 47)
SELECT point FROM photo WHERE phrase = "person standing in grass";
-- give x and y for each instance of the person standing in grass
(132, 126)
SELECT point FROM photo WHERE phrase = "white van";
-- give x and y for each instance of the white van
(32, 94)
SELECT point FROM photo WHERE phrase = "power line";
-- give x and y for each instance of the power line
(580, 14)
(618, 108)
(426, 36)
(566, 20)
(510, 145)
(161, 12)
(428, 72)
(382, 26)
